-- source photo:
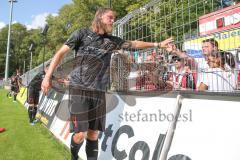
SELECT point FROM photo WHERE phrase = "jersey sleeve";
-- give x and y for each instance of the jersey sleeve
(75, 39)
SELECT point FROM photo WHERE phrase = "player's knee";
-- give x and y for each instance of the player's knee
(92, 134)
(31, 105)
(79, 137)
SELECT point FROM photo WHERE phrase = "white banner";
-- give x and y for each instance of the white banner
(213, 133)
(136, 127)
(60, 124)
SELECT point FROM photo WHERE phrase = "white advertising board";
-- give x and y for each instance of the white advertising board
(212, 134)
(138, 126)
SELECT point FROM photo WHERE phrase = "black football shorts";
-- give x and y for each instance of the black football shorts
(87, 110)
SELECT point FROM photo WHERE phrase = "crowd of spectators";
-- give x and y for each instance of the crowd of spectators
(216, 72)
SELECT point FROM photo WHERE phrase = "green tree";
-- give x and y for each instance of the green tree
(18, 32)
(160, 20)
(3, 49)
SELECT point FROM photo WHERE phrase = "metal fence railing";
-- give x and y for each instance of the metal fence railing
(28, 76)
(191, 23)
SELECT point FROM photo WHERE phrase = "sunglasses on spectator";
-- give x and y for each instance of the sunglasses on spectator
(176, 59)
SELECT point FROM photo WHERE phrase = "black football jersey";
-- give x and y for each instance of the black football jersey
(93, 58)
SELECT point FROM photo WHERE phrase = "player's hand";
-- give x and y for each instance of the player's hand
(46, 85)
(171, 47)
(164, 44)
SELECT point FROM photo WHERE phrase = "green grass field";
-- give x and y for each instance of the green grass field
(21, 141)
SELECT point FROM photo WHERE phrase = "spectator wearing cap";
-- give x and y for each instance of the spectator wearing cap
(182, 78)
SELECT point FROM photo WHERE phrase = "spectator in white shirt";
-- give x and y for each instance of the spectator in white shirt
(217, 78)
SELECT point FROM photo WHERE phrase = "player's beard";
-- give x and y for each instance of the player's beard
(107, 28)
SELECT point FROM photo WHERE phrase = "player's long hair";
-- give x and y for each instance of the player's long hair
(97, 25)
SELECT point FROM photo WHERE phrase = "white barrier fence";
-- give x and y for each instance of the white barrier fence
(136, 128)
(213, 132)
